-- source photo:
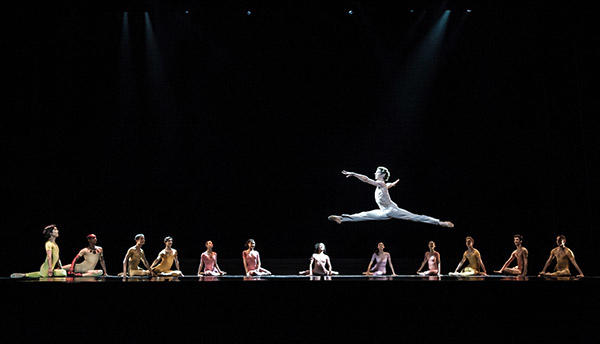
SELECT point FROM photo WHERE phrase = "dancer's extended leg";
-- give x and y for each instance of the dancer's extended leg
(389, 213)
(399, 213)
(371, 215)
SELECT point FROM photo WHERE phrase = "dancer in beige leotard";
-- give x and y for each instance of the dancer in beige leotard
(563, 256)
(164, 262)
(433, 260)
(320, 264)
(133, 257)
(91, 255)
(521, 255)
(475, 266)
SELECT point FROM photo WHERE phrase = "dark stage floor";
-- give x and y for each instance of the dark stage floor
(294, 309)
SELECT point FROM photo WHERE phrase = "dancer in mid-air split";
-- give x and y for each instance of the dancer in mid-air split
(387, 208)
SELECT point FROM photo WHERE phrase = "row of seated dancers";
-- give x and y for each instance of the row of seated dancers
(320, 263)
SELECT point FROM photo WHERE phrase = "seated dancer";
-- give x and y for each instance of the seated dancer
(208, 259)
(433, 260)
(321, 262)
(387, 208)
(133, 257)
(251, 260)
(563, 256)
(381, 260)
(521, 255)
(91, 255)
(474, 258)
(52, 258)
(164, 262)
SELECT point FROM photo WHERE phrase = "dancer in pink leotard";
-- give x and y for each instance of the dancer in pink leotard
(433, 260)
(381, 260)
(251, 260)
(208, 259)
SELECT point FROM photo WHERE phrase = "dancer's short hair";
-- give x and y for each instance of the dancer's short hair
(562, 237)
(518, 236)
(470, 238)
(385, 171)
(48, 230)
(91, 236)
(317, 247)
(167, 238)
(139, 236)
(249, 241)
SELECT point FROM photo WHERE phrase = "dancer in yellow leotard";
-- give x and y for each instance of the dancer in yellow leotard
(475, 266)
(563, 256)
(52, 258)
(133, 257)
(164, 262)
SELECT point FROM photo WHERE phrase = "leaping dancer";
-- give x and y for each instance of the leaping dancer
(387, 208)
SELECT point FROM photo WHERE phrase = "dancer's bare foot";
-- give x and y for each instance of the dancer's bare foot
(447, 224)
(335, 218)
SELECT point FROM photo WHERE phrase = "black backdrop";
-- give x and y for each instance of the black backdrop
(227, 126)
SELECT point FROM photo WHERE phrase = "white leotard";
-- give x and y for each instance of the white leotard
(90, 260)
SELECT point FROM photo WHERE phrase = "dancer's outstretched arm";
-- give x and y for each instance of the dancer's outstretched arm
(391, 185)
(481, 264)
(71, 267)
(368, 272)
(102, 262)
(145, 261)
(512, 257)
(258, 263)
(49, 258)
(547, 262)
(391, 265)
(572, 259)
(244, 261)
(525, 262)
(217, 266)
(125, 261)
(328, 263)
(461, 262)
(422, 264)
(200, 266)
(156, 261)
(176, 258)
(361, 177)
